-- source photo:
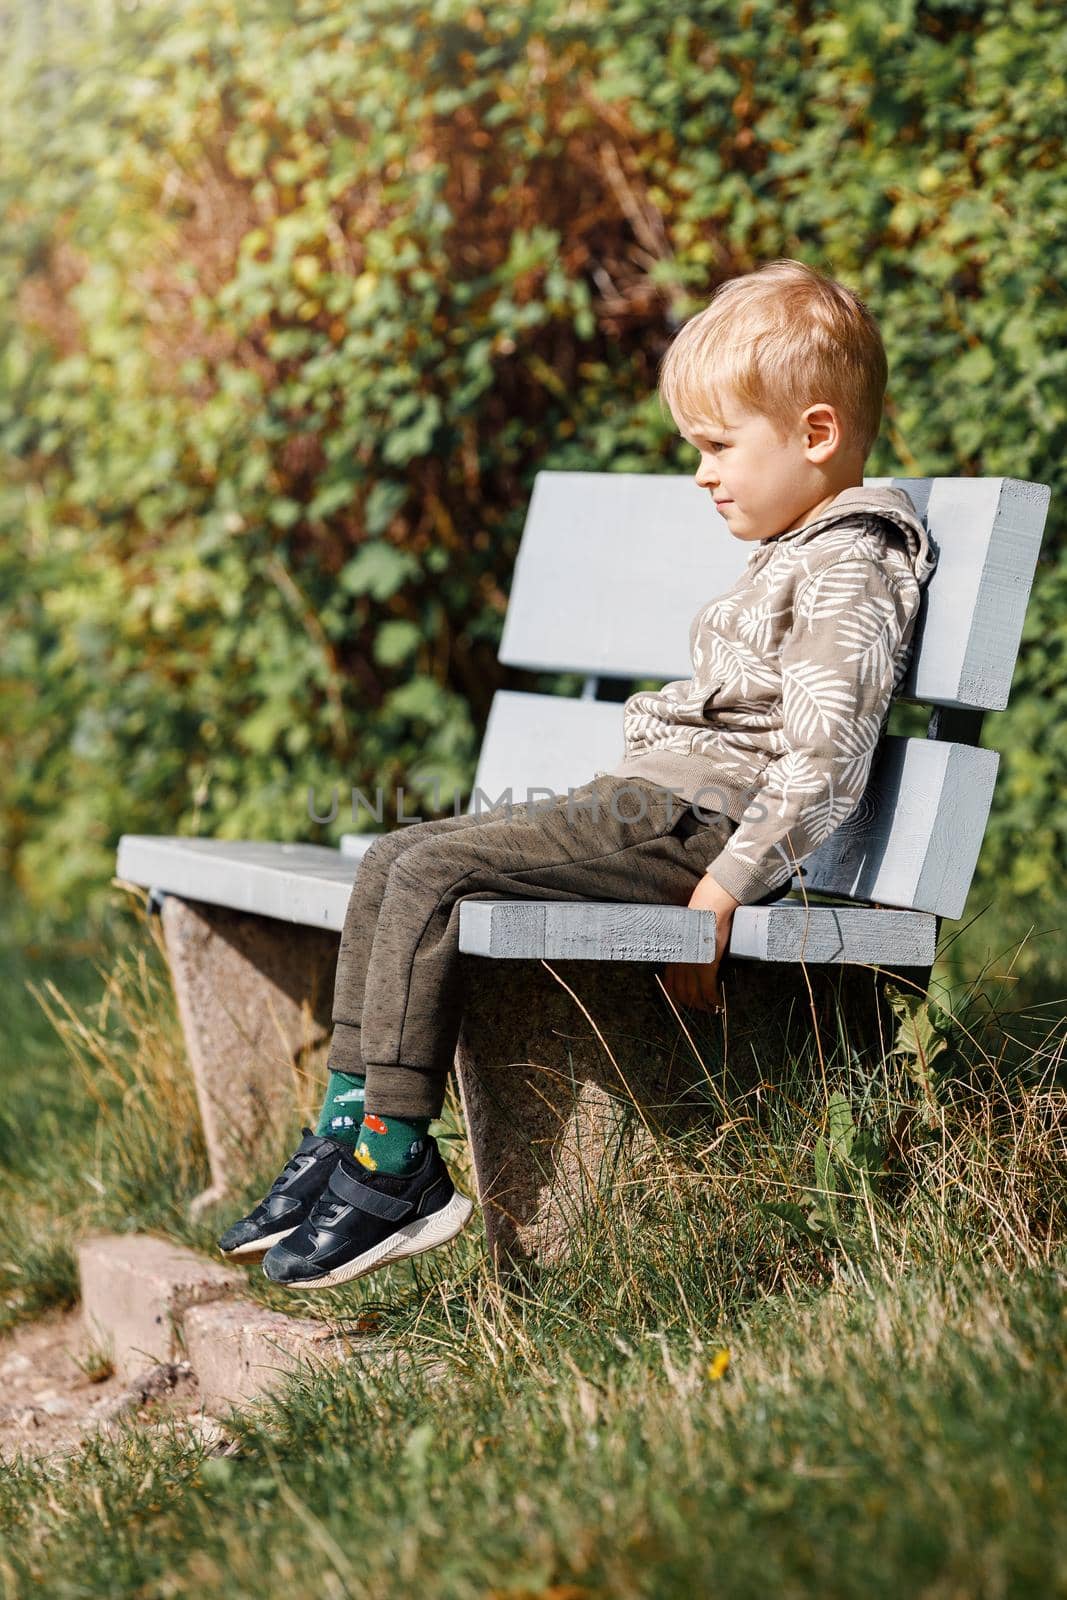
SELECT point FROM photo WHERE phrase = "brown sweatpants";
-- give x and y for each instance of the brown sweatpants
(397, 1001)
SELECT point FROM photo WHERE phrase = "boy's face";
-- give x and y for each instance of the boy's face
(763, 483)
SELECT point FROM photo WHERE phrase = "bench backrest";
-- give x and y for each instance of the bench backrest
(612, 568)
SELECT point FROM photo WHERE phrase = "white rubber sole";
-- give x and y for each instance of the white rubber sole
(257, 1247)
(410, 1240)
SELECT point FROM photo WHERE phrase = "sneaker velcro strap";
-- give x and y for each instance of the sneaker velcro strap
(364, 1198)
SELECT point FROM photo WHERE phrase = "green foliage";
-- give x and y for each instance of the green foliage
(852, 1160)
(848, 1164)
(298, 298)
(928, 1042)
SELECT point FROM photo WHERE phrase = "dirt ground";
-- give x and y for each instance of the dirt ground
(49, 1403)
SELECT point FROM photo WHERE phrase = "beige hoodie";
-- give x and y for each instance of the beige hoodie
(794, 669)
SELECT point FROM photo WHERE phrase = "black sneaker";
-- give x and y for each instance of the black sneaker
(362, 1220)
(287, 1202)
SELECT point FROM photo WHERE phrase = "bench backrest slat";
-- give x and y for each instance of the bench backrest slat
(539, 742)
(613, 567)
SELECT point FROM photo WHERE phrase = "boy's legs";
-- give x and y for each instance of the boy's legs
(612, 839)
(361, 922)
(306, 1173)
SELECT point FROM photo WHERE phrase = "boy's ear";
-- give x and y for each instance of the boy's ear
(823, 431)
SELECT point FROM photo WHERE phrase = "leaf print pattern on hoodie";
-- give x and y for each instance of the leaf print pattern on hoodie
(794, 671)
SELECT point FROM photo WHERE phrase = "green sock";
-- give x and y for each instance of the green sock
(392, 1144)
(342, 1109)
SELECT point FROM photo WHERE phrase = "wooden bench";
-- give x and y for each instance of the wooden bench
(611, 570)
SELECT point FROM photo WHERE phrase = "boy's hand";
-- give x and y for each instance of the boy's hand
(696, 984)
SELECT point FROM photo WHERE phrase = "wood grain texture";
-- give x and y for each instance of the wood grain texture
(516, 930)
(591, 930)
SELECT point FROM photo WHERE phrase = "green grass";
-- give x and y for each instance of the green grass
(905, 1440)
(816, 1345)
(35, 1071)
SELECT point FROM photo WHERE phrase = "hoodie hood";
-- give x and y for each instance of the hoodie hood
(891, 504)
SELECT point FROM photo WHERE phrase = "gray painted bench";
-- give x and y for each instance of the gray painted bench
(610, 571)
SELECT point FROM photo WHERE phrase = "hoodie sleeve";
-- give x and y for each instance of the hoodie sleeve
(842, 661)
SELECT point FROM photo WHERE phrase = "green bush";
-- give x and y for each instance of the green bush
(298, 298)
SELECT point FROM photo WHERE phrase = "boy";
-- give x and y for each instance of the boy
(728, 778)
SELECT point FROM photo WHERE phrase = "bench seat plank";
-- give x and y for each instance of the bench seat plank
(519, 930)
(310, 885)
(304, 883)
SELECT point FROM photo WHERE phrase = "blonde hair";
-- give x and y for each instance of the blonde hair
(779, 339)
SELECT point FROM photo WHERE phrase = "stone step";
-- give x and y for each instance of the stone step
(136, 1289)
(240, 1350)
(151, 1301)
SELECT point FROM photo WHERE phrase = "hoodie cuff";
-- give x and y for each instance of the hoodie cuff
(739, 880)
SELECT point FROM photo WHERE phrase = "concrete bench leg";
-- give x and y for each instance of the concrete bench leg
(548, 1118)
(255, 997)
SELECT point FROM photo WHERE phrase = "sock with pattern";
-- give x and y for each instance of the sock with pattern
(392, 1144)
(342, 1109)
